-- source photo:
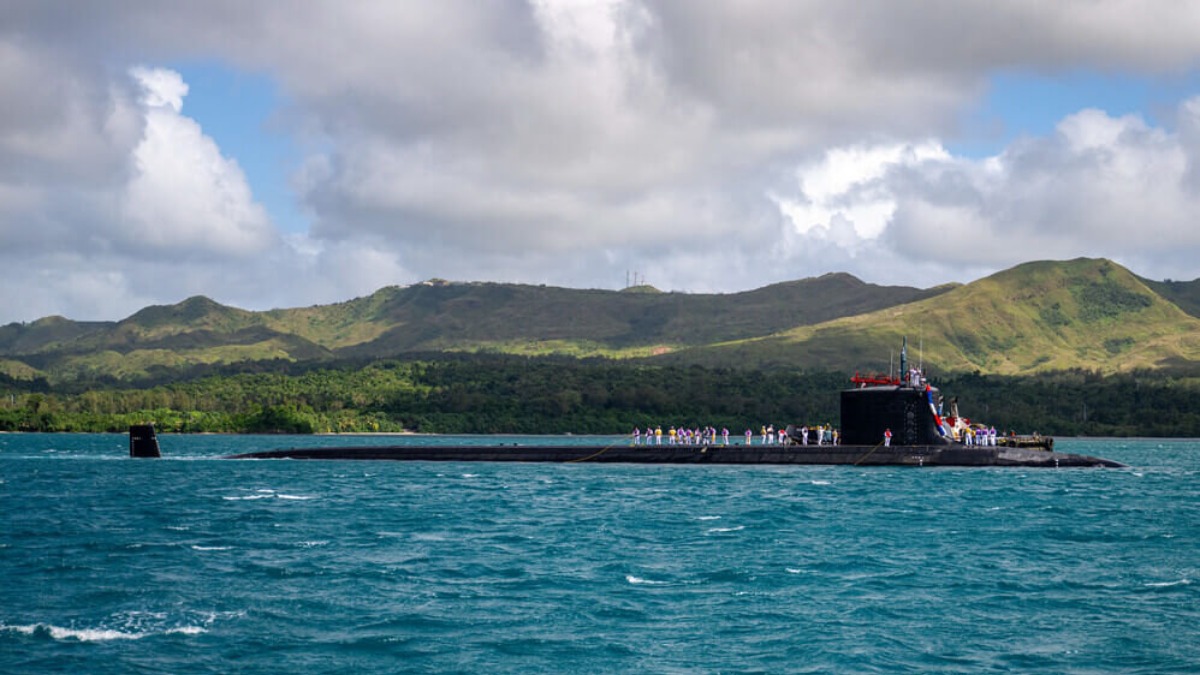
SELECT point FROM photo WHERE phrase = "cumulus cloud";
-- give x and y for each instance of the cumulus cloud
(1099, 186)
(709, 146)
(164, 212)
(185, 198)
(61, 127)
(845, 187)
(666, 137)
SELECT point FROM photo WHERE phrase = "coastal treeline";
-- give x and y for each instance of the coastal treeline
(505, 394)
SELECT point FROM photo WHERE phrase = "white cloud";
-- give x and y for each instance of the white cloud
(844, 187)
(186, 198)
(59, 127)
(711, 146)
(1099, 186)
(160, 87)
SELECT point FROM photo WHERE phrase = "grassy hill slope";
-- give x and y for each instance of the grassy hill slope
(195, 331)
(1084, 313)
(540, 319)
(1185, 294)
(1040, 316)
(430, 317)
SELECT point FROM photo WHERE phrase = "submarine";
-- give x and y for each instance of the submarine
(885, 422)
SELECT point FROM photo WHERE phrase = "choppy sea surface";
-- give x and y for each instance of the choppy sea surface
(196, 564)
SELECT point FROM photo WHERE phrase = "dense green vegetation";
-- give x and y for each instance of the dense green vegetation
(1038, 317)
(1084, 403)
(505, 394)
(1061, 347)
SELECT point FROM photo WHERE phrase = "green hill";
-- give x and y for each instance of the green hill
(44, 333)
(431, 317)
(195, 331)
(540, 319)
(1090, 314)
(1040, 316)
(1185, 294)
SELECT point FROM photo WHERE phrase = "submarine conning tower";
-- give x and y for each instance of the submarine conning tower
(143, 442)
(872, 408)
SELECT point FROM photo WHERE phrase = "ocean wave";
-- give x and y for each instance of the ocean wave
(434, 574)
(639, 581)
(1168, 584)
(197, 547)
(267, 494)
(80, 634)
(96, 634)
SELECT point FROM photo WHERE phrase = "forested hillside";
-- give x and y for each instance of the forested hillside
(505, 394)
(1077, 347)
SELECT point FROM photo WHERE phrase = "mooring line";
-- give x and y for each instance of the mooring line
(601, 451)
(860, 459)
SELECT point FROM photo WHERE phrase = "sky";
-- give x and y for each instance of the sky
(286, 154)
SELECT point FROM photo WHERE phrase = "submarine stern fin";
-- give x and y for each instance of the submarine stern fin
(143, 443)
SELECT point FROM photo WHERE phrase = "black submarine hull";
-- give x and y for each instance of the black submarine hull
(869, 414)
(855, 455)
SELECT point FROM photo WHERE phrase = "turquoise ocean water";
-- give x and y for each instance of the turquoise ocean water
(194, 564)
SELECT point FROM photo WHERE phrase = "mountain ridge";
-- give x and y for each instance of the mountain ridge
(1037, 316)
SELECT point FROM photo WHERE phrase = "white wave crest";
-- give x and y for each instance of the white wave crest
(267, 494)
(643, 582)
(127, 625)
(1168, 584)
(719, 530)
(96, 634)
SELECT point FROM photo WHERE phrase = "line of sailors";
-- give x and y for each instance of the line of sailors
(981, 436)
(817, 435)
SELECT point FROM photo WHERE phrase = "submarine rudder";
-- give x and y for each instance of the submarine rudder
(143, 443)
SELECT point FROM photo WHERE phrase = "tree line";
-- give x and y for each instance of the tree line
(505, 394)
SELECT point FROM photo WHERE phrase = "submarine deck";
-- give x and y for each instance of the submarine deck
(858, 455)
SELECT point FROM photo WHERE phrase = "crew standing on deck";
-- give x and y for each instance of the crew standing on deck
(887, 437)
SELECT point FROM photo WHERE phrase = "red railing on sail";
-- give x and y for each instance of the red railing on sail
(877, 379)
